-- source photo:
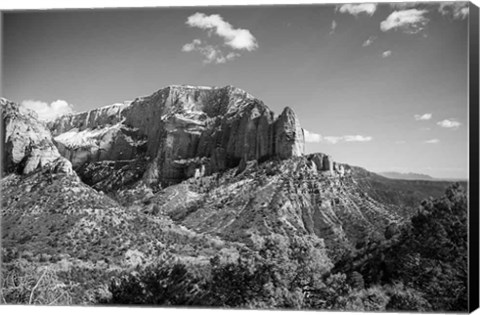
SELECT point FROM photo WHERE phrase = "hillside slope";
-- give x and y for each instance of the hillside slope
(293, 198)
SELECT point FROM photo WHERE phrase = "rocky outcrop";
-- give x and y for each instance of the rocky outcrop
(184, 131)
(97, 118)
(317, 159)
(328, 163)
(27, 143)
(289, 138)
(97, 135)
(112, 142)
(325, 163)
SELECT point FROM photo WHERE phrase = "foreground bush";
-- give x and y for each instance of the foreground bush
(277, 275)
(157, 284)
(24, 283)
(406, 299)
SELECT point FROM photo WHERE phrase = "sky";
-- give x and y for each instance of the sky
(374, 85)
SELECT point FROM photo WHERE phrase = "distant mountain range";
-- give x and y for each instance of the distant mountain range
(417, 176)
(408, 176)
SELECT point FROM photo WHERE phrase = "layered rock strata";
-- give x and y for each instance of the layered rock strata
(27, 143)
(183, 131)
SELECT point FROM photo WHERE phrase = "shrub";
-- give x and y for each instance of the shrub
(356, 280)
(23, 283)
(406, 299)
(162, 283)
(373, 299)
(330, 295)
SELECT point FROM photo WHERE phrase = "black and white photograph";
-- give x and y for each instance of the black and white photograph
(257, 157)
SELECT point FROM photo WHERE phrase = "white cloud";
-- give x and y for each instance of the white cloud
(239, 39)
(432, 141)
(332, 140)
(369, 41)
(48, 112)
(356, 9)
(400, 142)
(357, 138)
(333, 27)
(212, 54)
(386, 53)
(426, 116)
(234, 40)
(457, 10)
(192, 46)
(409, 21)
(317, 138)
(449, 123)
(348, 138)
(312, 137)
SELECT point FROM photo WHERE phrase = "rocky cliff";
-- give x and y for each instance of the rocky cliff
(183, 131)
(27, 143)
(289, 139)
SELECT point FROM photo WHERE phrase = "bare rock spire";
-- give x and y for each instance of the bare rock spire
(289, 138)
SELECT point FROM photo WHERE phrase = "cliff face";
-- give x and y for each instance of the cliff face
(27, 143)
(289, 139)
(183, 131)
(97, 135)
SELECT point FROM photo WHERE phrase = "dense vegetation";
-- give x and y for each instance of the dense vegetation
(427, 257)
(422, 267)
(418, 266)
(431, 253)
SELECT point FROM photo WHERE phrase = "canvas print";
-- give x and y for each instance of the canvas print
(310, 157)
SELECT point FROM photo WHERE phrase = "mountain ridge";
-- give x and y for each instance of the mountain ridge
(418, 176)
(408, 176)
(208, 129)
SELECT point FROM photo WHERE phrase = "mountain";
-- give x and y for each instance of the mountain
(181, 131)
(200, 177)
(408, 176)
